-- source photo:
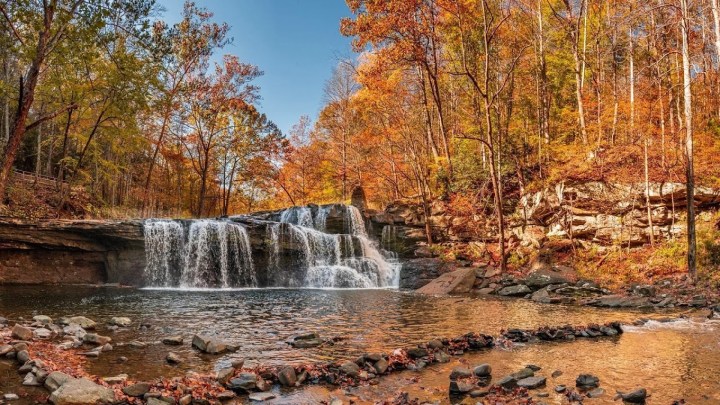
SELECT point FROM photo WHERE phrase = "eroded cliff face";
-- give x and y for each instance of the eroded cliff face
(71, 252)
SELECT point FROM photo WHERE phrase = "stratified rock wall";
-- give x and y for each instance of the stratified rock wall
(71, 252)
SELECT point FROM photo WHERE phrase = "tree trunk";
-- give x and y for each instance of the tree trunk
(689, 170)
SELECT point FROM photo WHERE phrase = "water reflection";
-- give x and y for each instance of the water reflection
(671, 361)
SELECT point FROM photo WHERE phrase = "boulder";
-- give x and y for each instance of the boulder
(455, 282)
(519, 290)
(81, 392)
(21, 333)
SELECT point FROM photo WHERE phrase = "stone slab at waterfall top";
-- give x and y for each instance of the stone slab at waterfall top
(455, 282)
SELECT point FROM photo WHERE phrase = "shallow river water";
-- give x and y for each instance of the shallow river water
(672, 360)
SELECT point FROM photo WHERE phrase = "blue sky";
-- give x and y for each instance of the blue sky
(295, 42)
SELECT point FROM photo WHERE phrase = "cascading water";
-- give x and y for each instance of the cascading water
(330, 260)
(210, 254)
(297, 251)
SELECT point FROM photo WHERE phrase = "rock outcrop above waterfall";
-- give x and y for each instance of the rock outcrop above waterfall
(71, 252)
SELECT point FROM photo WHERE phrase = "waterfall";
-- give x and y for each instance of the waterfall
(213, 254)
(297, 251)
(164, 242)
(349, 260)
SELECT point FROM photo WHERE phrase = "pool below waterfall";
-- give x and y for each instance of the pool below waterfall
(672, 360)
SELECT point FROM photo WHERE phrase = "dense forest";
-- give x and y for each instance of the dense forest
(471, 101)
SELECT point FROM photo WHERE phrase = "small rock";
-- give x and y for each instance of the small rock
(173, 358)
(118, 379)
(21, 333)
(42, 319)
(350, 368)
(209, 345)
(560, 388)
(185, 400)
(22, 356)
(120, 321)
(157, 401)
(11, 397)
(435, 344)
(542, 394)
(596, 393)
(261, 396)
(460, 372)
(478, 393)
(483, 370)
(442, 357)
(85, 323)
(107, 347)
(225, 395)
(96, 339)
(635, 397)
(381, 365)
(74, 330)
(524, 373)
(587, 381)
(417, 352)
(508, 382)
(287, 376)
(173, 340)
(237, 363)
(245, 382)
(136, 390)
(5, 349)
(136, 344)
(224, 375)
(30, 380)
(531, 382)
(460, 387)
(533, 367)
(42, 333)
(556, 374)
(519, 290)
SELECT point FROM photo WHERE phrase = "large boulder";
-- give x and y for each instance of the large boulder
(455, 282)
(81, 392)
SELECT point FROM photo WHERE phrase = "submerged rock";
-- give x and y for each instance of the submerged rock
(261, 396)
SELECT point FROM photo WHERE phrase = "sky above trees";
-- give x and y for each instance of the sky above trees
(296, 43)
